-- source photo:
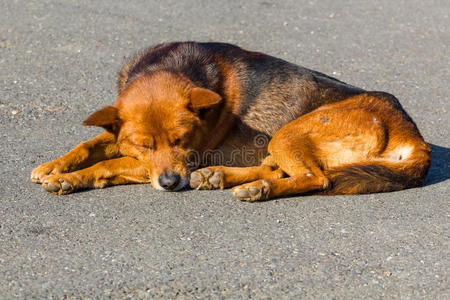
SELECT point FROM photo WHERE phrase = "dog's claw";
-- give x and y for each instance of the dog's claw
(216, 179)
(57, 185)
(196, 180)
(206, 172)
(65, 186)
(51, 167)
(242, 194)
(206, 179)
(51, 187)
(255, 191)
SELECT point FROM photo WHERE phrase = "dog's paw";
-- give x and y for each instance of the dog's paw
(49, 168)
(254, 191)
(207, 179)
(61, 184)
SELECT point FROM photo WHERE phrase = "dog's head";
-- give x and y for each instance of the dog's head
(160, 120)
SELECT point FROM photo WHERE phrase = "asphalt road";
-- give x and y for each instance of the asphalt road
(58, 63)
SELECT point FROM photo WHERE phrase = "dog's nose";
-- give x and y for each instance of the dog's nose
(169, 181)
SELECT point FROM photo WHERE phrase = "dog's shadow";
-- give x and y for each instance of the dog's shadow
(440, 165)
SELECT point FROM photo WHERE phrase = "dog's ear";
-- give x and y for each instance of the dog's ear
(203, 98)
(107, 117)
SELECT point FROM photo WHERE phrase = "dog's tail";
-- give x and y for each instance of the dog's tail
(381, 176)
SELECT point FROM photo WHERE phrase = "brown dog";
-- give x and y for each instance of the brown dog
(181, 106)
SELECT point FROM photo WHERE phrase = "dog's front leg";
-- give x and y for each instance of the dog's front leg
(102, 147)
(117, 171)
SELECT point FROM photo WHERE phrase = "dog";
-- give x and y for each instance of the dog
(191, 114)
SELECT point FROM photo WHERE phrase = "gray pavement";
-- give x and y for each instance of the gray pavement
(58, 63)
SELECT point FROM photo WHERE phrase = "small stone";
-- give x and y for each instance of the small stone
(5, 44)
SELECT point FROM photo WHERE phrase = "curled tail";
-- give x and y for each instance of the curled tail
(378, 177)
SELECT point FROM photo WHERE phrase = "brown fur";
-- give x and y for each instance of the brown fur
(357, 146)
(181, 106)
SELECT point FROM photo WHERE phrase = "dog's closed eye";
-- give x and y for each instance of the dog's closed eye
(143, 146)
(176, 142)
(141, 142)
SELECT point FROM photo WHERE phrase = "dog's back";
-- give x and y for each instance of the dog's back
(268, 91)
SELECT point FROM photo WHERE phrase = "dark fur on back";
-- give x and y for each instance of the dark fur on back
(188, 59)
(272, 91)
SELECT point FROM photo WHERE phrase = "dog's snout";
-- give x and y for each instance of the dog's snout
(169, 181)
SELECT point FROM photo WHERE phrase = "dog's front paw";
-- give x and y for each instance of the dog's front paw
(61, 184)
(49, 168)
(254, 191)
(207, 179)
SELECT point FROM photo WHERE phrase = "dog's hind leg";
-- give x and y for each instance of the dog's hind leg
(117, 171)
(220, 177)
(86, 154)
(295, 158)
(264, 189)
